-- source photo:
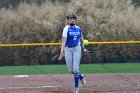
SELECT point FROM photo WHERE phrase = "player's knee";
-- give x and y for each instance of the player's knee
(76, 71)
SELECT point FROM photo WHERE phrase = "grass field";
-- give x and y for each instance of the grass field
(62, 69)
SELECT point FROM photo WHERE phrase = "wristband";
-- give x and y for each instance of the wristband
(82, 46)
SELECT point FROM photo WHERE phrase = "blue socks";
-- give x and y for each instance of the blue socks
(77, 76)
(76, 79)
(81, 77)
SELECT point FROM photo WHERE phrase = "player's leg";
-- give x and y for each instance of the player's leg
(76, 65)
(69, 59)
(69, 62)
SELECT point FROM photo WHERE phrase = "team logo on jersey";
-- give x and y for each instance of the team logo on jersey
(74, 33)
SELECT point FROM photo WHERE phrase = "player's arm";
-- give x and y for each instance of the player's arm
(62, 48)
(64, 39)
(82, 45)
(82, 40)
(63, 44)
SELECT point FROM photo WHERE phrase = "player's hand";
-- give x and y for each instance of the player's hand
(86, 55)
(85, 50)
(61, 56)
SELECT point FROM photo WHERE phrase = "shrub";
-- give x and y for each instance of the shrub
(101, 20)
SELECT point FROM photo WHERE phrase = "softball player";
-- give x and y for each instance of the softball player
(71, 48)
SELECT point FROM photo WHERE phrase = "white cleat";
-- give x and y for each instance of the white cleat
(76, 90)
(83, 81)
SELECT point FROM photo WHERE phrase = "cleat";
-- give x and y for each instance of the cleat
(83, 81)
(76, 90)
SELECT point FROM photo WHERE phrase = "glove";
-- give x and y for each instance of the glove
(86, 56)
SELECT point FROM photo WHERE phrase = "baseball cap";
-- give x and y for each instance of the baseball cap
(71, 16)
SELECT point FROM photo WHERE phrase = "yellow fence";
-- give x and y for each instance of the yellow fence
(55, 44)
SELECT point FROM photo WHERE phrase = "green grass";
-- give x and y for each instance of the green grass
(62, 69)
(112, 68)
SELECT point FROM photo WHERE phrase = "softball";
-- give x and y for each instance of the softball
(85, 42)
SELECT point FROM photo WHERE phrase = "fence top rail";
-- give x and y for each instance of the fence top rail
(56, 44)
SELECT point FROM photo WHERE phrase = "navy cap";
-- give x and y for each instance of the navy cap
(71, 16)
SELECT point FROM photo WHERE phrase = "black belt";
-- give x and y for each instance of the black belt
(71, 46)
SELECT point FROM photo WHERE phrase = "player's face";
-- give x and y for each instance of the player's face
(72, 21)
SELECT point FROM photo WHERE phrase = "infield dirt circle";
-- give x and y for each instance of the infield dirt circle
(63, 83)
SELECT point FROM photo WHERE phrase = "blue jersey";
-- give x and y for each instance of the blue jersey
(73, 34)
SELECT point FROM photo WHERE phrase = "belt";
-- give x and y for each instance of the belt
(71, 46)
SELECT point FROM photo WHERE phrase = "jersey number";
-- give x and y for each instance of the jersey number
(75, 38)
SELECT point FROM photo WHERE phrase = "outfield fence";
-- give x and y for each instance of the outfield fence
(53, 44)
(47, 53)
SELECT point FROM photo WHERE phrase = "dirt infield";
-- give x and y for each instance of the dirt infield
(63, 83)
